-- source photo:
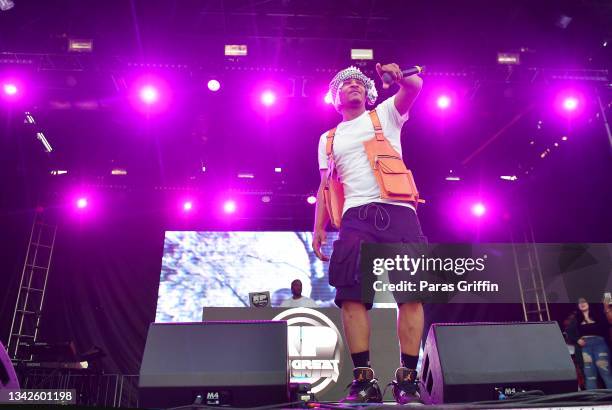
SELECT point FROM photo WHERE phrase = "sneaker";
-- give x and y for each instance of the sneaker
(364, 389)
(405, 386)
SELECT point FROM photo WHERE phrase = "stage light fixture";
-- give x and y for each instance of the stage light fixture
(149, 94)
(41, 137)
(229, 206)
(187, 206)
(508, 58)
(214, 85)
(278, 170)
(478, 209)
(29, 119)
(10, 89)
(362, 54)
(452, 178)
(80, 46)
(570, 103)
(268, 98)
(118, 171)
(328, 98)
(509, 177)
(82, 203)
(311, 200)
(233, 50)
(246, 175)
(443, 102)
(58, 171)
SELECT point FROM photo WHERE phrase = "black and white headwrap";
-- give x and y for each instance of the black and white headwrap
(350, 73)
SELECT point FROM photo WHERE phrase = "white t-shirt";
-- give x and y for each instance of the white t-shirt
(360, 186)
(304, 301)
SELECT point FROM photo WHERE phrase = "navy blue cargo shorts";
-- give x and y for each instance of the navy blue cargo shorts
(374, 223)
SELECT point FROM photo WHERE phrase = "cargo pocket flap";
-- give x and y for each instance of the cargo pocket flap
(344, 262)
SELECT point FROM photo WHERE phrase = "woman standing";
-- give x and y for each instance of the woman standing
(593, 330)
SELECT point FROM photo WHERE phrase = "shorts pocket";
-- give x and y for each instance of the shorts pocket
(345, 262)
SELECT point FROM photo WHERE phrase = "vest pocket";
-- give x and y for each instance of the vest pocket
(394, 176)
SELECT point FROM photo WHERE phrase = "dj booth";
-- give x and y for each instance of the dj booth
(318, 353)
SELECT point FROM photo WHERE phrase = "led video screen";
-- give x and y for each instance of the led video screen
(219, 269)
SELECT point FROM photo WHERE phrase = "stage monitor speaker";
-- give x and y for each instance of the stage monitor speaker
(238, 364)
(478, 361)
(8, 377)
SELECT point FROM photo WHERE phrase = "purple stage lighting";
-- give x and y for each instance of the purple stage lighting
(443, 102)
(328, 99)
(229, 206)
(81, 203)
(187, 206)
(478, 209)
(570, 103)
(10, 89)
(149, 94)
(214, 85)
(311, 200)
(268, 98)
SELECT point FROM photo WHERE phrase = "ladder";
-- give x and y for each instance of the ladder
(32, 286)
(529, 277)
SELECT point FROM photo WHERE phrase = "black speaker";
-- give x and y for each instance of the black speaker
(478, 361)
(238, 364)
(8, 377)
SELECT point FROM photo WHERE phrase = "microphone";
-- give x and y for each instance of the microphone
(387, 79)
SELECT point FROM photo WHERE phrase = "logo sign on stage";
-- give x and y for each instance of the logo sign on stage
(315, 348)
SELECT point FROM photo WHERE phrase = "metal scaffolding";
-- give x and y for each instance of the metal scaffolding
(32, 287)
(529, 275)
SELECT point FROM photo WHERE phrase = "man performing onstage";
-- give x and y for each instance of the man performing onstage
(367, 217)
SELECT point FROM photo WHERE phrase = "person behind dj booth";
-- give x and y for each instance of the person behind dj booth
(297, 299)
(367, 216)
(589, 331)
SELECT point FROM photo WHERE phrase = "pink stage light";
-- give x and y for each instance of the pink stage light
(187, 206)
(478, 209)
(10, 89)
(570, 103)
(81, 203)
(327, 98)
(229, 206)
(149, 94)
(311, 200)
(268, 98)
(443, 102)
(214, 85)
